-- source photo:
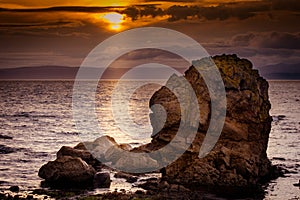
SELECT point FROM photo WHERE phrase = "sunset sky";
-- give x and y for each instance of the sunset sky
(38, 33)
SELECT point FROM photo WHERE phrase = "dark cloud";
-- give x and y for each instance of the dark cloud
(275, 40)
(221, 11)
(136, 12)
(64, 9)
(47, 24)
(179, 1)
(291, 5)
(182, 12)
(50, 28)
(281, 40)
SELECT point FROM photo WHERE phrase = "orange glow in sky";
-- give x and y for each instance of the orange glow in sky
(114, 19)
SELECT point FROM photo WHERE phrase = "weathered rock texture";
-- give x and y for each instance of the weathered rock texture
(67, 171)
(77, 167)
(239, 157)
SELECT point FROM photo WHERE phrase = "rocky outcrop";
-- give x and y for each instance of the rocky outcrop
(77, 167)
(239, 157)
(67, 171)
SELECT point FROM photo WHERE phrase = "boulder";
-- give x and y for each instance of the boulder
(100, 146)
(73, 152)
(239, 157)
(67, 172)
(101, 180)
(93, 152)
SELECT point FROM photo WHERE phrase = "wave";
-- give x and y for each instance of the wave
(27, 115)
(6, 150)
(5, 137)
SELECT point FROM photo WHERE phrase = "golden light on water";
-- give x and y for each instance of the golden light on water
(114, 19)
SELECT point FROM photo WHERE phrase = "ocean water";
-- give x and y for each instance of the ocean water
(284, 141)
(38, 117)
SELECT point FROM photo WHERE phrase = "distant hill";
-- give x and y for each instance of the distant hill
(278, 71)
(53, 72)
(281, 71)
(43, 72)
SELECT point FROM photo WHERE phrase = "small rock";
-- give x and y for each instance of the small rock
(279, 158)
(123, 190)
(29, 196)
(129, 178)
(101, 180)
(14, 188)
(150, 185)
(80, 146)
(139, 192)
(281, 117)
(17, 197)
(297, 184)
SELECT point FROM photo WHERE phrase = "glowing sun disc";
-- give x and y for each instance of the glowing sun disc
(113, 18)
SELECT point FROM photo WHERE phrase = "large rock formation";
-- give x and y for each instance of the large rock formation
(239, 158)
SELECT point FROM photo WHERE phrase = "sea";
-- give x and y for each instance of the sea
(36, 120)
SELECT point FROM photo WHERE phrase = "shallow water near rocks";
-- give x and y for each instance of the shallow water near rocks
(38, 117)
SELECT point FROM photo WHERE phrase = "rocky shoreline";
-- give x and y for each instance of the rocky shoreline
(237, 167)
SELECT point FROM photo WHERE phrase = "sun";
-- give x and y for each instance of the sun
(114, 19)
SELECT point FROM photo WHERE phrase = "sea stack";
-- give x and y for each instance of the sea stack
(239, 157)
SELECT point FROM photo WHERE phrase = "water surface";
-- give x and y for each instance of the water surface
(38, 116)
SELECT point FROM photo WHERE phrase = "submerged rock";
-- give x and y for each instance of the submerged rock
(67, 172)
(6, 150)
(5, 137)
(239, 158)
